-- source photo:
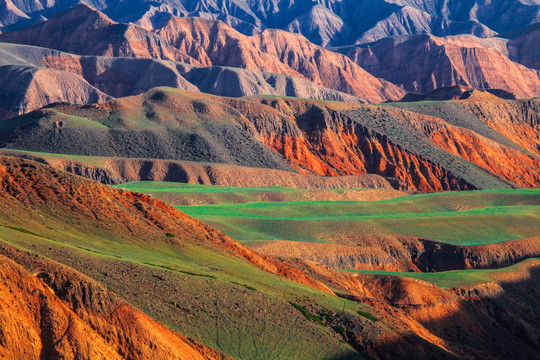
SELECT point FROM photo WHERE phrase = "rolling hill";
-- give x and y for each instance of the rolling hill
(435, 146)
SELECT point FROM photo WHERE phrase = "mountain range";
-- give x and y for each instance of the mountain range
(109, 60)
(334, 23)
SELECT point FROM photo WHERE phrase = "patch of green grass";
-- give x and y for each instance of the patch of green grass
(367, 315)
(307, 314)
(456, 278)
(339, 329)
(180, 271)
(244, 285)
(323, 314)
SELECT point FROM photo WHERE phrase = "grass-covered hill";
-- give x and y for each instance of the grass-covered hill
(444, 145)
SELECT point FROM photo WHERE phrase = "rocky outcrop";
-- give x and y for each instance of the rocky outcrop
(455, 93)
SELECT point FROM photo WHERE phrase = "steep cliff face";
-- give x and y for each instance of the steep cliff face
(356, 149)
(423, 63)
(457, 319)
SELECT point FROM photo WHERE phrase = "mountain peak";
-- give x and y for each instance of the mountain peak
(82, 14)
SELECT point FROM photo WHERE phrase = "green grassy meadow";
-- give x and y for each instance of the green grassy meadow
(461, 218)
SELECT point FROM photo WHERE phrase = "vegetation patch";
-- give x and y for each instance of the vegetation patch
(244, 285)
(339, 329)
(180, 271)
(307, 314)
(367, 315)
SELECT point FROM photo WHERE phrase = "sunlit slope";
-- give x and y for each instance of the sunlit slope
(187, 276)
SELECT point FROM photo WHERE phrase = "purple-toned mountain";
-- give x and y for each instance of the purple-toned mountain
(328, 22)
(85, 31)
